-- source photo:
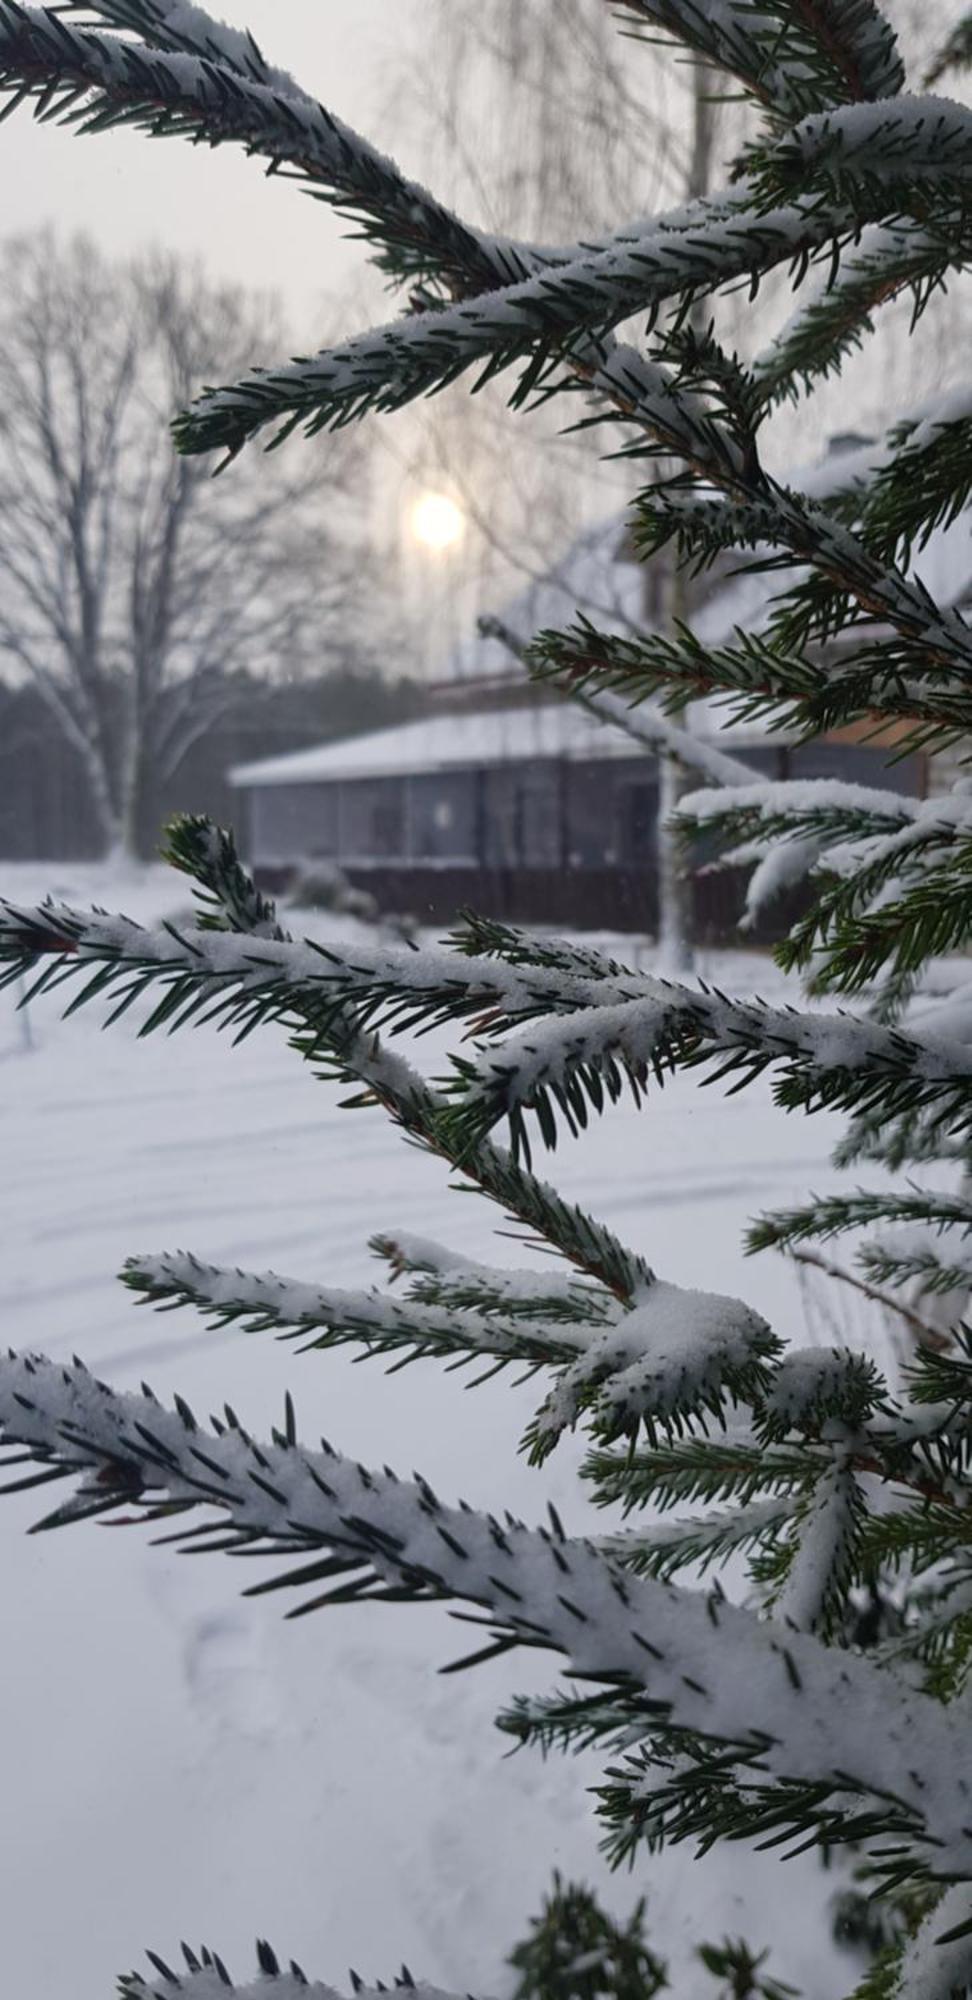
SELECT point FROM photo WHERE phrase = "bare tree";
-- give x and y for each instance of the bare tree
(133, 588)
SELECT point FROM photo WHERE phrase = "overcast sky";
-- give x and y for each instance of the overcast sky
(128, 191)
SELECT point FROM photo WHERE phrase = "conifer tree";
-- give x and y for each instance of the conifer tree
(708, 1434)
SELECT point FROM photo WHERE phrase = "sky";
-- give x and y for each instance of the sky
(129, 193)
(365, 62)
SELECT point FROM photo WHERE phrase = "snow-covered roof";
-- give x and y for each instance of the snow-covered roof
(464, 741)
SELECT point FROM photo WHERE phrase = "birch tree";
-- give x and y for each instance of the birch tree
(133, 587)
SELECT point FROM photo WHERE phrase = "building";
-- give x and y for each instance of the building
(523, 804)
(537, 813)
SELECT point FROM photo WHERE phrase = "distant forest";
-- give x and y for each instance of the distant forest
(46, 812)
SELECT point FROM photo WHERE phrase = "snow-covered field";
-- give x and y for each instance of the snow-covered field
(178, 1763)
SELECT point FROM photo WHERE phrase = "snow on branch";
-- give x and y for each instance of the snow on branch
(812, 1593)
(241, 978)
(204, 1976)
(676, 1355)
(541, 320)
(937, 1962)
(698, 1540)
(804, 805)
(263, 1302)
(850, 152)
(824, 1061)
(827, 327)
(328, 1001)
(439, 1276)
(671, 1355)
(798, 1709)
(653, 729)
(648, 726)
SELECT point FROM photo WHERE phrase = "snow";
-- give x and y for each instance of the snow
(677, 1345)
(929, 1970)
(822, 1533)
(184, 1764)
(796, 1710)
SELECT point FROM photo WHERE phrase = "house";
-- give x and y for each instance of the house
(525, 805)
(534, 812)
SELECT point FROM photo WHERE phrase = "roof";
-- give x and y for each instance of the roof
(464, 741)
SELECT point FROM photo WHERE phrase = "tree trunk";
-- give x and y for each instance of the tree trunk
(675, 898)
(675, 913)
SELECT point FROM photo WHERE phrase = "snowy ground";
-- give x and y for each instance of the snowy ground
(179, 1763)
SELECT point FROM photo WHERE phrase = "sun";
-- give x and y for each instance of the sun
(437, 522)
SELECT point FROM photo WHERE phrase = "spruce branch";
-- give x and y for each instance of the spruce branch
(790, 54)
(831, 1215)
(94, 81)
(580, 1063)
(859, 154)
(551, 320)
(955, 52)
(801, 1712)
(646, 726)
(323, 1317)
(203, 1976)
(827, 328)
(327, 1002)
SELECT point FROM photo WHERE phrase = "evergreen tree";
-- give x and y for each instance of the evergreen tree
(776, 1721)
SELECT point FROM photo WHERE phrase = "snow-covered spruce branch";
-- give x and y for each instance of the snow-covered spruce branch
(755, 677)
(648, 726)
(833, 1215)
(834, 1061)
(439, 1276)
(881, 922)
(816, 1565)
(674, 1352)
(323, 1316)
(850, 153)
(699, 1541)
(936, 1963)
(828, 327)
(790, 54)
(94, 81)
(224, 890)
(765, 516)
(203, 1976)
(864, 848)
(777, 808)
(240, 982)
(238, 977)
(797, 1709)
(925, 481)
(541, 321)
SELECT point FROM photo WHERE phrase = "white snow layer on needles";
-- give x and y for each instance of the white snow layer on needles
(208, 1984)
(804, 1710)
(676, 1345)
(141, 1692)
(934, 1971)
